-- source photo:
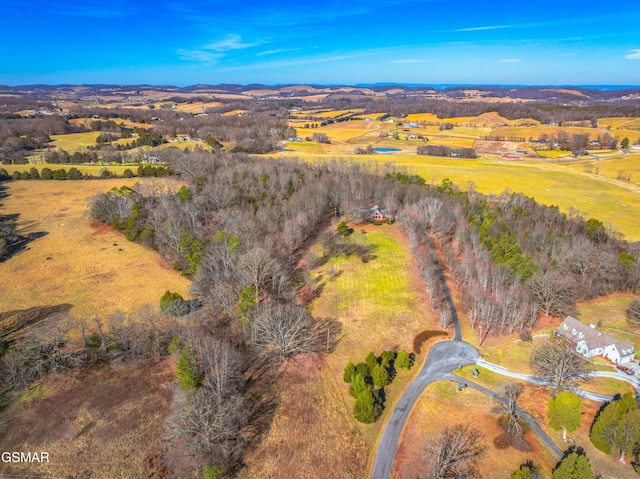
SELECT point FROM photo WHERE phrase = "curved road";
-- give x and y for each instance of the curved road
(580, 392)
(443, 357)
(441, 360)
(546, 440)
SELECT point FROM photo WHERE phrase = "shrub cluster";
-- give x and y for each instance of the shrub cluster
(368, 380)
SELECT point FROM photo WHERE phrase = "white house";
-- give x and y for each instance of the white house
(591, 342)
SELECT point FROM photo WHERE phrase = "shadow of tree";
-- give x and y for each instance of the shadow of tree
(16, 241)
(15, 323)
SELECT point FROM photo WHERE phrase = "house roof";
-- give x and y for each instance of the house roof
(575, 331)
(625, 348)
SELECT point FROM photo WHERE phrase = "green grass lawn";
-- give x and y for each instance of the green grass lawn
(485, 377)
(511, 355)
(380, 292)
(607, 386)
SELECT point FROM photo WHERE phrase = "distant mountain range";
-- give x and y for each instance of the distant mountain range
(554, 94)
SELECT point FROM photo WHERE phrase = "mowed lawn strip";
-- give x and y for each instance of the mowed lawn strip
(381, 305)
(75, 260)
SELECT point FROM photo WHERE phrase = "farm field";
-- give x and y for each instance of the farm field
(72, 260)
(610, 167)
(550, 184)
(73, 142)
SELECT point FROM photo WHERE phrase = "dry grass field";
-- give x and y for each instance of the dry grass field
(100, 423)
(440, 406)
(73, 260)
(73, 142)
(312, 431)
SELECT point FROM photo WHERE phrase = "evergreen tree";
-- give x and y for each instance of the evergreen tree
(386, 358)
(358, 386)
(371, 360)
(364, 409)
(184, 195)
(364, 371)
(628, 433)
(564, 412)
(211, 472)
(247, 301)
(343, 229)
(574, 466)
(380, 376)
(186, 371)
(605, 428)
(526, 471)
(349, 372)
(626, 403)
(403, 360)
(46, 174)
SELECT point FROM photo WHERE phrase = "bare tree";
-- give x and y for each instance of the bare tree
(508, 405)
(555, 291)
(259, 266)
(453, 453)
(214, 415)
(281, 331)
(558, 366)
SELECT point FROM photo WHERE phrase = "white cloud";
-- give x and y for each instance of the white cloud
(510, 60)
(198, 56)
(477, 29)
(212, 52)
(230, 42)
(408, 60)
(633, 56)
(279, 50)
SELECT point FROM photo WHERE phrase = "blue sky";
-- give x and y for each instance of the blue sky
(563, 42)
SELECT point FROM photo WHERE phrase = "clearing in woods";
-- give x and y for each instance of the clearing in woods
(381, 304)
(74, 260)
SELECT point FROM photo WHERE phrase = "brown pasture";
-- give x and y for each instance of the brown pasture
(74, 260)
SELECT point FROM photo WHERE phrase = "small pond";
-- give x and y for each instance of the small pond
(386, 150)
